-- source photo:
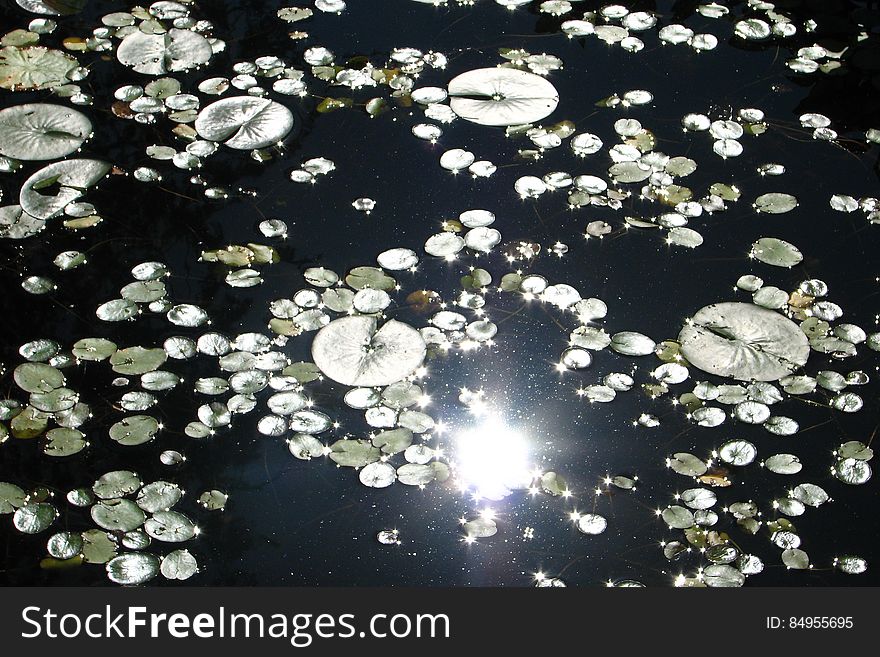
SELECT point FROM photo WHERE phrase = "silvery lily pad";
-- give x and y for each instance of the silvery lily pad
(117, 515)
(677, 517)
(353, 453)
(52, 7)
(69, 179)
(134, 430)
(159, 496)
(852, 471)
(63, 441)
(116, 484)
(744, 342)
(11, 497)
(738, 452)
(34, 518)
(810, 494)
(40, 131)
(687, 464)
(378, 475)
(179, 565)
(851, 565)
(98, 546)
(305, 447)
(398, 259)
(170, 527)
(784, 464)
(502, 96)
(64, 545)
(444, 245)
(388, 537)
(796, 559)
(16, 224)
(630, 343)
(414, 474)
(213, 500)
(155, 54)
(775, 203)
(591, 524)
(722, 575)
(133, 568)
(38, 377)
(777, 252)
(34, 67)
(353, 351)
(245, 122)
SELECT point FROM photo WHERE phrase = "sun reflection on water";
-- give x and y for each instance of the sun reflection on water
(492, 459)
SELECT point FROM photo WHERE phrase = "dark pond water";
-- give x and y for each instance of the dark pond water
(292, 522)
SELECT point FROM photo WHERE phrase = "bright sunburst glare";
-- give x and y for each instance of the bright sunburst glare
(492, 459)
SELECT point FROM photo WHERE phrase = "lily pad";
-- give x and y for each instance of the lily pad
(245, 122)
(591, 524)
(133, 568)
(353, 351)
(502, 96)
(179, 565)
(378, 475)
(69, 179)
(155, 54)
(353, 453)
(159, 496)
(34, 518)
(776, 252)
(40, 131)
(137, 360)
(744, 342)
(117, 514)
(170, 527)
(134, 430)
(35, 67)
(775, 203)
(11, 498)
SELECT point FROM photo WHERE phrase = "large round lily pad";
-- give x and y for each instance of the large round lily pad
(35, 67)
(502, 96)
(245, 122)
(744, 342)
(40, 131)
(356, 352)
(155, 54)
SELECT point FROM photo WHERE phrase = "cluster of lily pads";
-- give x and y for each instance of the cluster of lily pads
(754, 352)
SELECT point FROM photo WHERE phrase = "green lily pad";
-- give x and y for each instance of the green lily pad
(11, 498)
(38, 377)
(98, 546)
(159, 496)
(34, 518)
(117, 483)
(34, 67)
(117, 514)
(353, 453)
(170, 527)
(179, 565)
(64, 442)
(135, 430)
(137, 360)
(393, 441)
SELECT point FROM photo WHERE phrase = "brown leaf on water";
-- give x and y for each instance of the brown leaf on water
(424, 302)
